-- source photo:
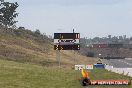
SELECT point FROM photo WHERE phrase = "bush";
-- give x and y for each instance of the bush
(90, 54)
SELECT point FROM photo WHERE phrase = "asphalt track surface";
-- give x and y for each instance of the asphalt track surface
(119, 63)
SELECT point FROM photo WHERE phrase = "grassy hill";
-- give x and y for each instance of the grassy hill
(27, 60)
(26, 46)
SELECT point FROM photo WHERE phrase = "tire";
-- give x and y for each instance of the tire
(85, 82)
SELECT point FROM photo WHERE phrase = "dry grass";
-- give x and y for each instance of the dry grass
(28, 50)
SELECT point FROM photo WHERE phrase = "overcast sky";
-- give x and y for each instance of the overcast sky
(89, 17)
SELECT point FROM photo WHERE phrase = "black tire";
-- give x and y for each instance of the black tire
(85, 82)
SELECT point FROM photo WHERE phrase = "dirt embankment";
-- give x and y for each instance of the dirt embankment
(28, 50)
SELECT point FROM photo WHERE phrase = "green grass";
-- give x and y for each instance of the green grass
(20, 75)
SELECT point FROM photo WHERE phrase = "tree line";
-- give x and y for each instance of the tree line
(8, 13)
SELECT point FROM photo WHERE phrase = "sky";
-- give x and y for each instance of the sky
(90, 18)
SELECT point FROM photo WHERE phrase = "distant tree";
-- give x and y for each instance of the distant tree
(90, 54)
(21, 28)
(96, 39)
(8, 13)
(131, 38)
(109, 36)
(37, 32)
